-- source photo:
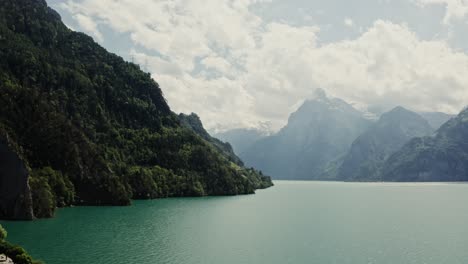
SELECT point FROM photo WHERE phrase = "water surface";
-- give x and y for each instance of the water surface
(294, 222)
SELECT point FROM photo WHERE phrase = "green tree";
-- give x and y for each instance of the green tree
(94, 129)
(3, 233)
(44, 204)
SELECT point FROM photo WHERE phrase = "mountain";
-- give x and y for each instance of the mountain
(241, 139)
(321, 130)
(441, 157)
(370, 150)
(193, 122)
(436, 119)
(79, 125)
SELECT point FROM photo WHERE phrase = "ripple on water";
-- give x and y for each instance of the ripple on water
(294, 222)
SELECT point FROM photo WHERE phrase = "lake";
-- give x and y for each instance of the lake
(294, 222)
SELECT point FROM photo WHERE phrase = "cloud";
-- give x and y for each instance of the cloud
(235, 69)
(455, 9)
(88, 25)
(348, 22)
(389, 65)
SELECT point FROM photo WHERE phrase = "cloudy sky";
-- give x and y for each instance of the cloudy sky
(247, 63)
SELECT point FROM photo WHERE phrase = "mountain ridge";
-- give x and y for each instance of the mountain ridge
(440, 157)
(320, 130)
(94, 130)
(371, 149)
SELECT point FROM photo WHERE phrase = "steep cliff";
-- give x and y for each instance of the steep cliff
(93, 129)
(15, 194)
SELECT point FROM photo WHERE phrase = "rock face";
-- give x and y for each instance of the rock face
(15, 195)
(321, 130)
(370, 150)
(442, 157)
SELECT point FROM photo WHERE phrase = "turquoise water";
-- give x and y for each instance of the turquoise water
(294, 222)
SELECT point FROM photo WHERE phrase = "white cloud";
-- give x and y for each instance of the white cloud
(455, 9)
(348, 22)
(224, 62)
(219, 65)
(89, 26)
(389, 65)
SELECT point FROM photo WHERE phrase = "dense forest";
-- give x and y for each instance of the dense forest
(85, 127)
(257, 178)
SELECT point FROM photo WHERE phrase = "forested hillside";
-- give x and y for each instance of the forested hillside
(257, 178)
(194, 123)
(86, 127)
(442, 157)
(370, 150)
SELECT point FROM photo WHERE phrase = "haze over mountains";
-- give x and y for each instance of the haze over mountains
(436, 119)
(321, 130)
(241, 139)
(442, 157)
(328, 139)
(370, 150)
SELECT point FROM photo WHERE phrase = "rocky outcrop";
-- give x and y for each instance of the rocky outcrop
(15, 194)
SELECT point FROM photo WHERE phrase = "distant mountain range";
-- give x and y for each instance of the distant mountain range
(328, 139)
(241, 139)
(321, 130)
(436, 119)
(370, 150)
(441, 157)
